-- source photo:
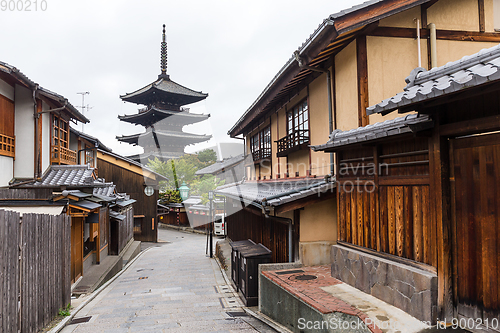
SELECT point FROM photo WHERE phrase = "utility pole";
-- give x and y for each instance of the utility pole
(83, 103)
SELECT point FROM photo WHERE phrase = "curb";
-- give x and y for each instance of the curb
(94, 294)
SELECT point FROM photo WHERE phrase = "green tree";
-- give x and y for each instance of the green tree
(205, 184)
(207, 157)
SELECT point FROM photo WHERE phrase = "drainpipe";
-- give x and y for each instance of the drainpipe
(36, 116)
(433, 36)
(329, 87)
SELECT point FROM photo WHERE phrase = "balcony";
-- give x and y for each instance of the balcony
(295, 141)
(262, 154)
(7, 146)
(62, 155)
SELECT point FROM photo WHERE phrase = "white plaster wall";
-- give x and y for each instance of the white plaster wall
(45, 138)
(496, 14)
(7, 90)
(6, 170)
(24, 130)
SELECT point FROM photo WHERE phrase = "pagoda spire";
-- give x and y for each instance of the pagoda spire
(163, 58)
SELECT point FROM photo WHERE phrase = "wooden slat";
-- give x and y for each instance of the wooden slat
(359, 209)
(408, 223)
(391, 213)
(354, 217)
(366, 219)
(384, 219)
(342, 215)
(373, 221)
(348, 217)
(400, 227)
(418, 234)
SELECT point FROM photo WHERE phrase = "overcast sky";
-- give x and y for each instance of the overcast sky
(228, 49)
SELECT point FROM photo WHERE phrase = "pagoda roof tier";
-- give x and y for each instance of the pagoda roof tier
(164, 156)
(152, 115)
(165, 92)
(163, 138)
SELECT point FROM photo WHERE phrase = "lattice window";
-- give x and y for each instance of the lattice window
(298, 123)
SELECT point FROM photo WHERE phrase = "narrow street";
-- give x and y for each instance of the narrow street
(173, 287)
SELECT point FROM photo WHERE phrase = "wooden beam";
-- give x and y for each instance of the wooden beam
(482, 25)
(457, 35)
(362, 69)
(471, 126)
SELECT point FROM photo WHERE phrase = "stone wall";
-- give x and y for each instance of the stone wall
(411, 289)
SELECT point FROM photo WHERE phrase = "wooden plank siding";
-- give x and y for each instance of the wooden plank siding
(132, 183)
(393, 217)
(35, 257)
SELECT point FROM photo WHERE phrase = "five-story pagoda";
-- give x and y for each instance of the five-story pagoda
(163, 117)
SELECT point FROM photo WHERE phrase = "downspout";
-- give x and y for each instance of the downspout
(433, 36)
(329, 87)
(36, 116)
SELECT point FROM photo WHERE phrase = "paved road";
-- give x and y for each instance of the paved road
(172, 287)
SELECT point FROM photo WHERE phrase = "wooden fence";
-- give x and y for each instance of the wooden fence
(35, 280)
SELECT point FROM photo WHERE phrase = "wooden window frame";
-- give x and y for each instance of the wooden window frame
(260, 144)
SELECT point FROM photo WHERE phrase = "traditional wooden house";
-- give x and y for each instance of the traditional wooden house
(34, 131)
(140, 183)
(419, 195)
(354, 59)
(230, 170)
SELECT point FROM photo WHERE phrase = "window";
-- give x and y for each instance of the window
(298, 124)
(60, 132)
(89, 155)
(260, 144)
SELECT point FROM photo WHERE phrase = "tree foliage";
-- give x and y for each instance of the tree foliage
(183, 169)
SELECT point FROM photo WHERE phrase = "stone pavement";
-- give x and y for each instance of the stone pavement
(172, 287)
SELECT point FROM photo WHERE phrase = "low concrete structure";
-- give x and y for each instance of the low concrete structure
(411, 289)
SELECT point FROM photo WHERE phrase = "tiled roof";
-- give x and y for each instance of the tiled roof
(154, 115)
(221, 166)
(380, 130)
(276, 193)
(470, 71)
(67, 175)
(166, 87)
(106, 191)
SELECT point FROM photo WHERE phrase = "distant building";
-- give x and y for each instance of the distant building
(163, 117)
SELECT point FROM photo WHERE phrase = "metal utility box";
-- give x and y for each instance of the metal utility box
(249, 259)
(235, 247)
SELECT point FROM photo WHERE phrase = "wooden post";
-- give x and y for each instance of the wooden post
(482, 25)
(362, 62)
(440, 205)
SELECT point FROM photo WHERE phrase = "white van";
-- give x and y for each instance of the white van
(220, 225)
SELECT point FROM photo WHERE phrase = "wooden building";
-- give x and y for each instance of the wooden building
(163, 117)
(140, 183)
(354, 59)
(420, 194)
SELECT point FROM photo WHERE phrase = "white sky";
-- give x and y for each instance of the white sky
(228, 49)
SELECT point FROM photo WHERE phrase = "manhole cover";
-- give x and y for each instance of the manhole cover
(80, 320)
(305, 277)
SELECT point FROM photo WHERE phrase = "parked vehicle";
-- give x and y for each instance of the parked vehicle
(220, 225)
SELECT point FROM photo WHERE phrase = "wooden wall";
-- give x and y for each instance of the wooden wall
(25, 193)
(36, 265)
(133, 184)
(384, 199)
(7, 116)
(249, 224)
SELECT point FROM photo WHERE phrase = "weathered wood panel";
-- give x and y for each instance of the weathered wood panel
(34, 257)
(476, 216)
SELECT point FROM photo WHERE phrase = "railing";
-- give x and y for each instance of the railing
(62, 155)
(292, 142)
(261, 154)
(7, 146)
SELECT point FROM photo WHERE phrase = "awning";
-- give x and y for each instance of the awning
(117, 215)
(125, 203)
(84, 205)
